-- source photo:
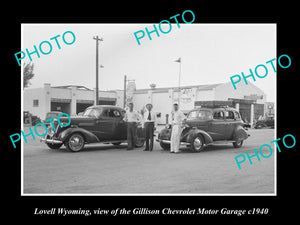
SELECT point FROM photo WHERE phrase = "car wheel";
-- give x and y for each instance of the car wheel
(117, 143)
(237, 144)
(139, 142)
(54, 146)
(75, 142)
(197, 143)
(165, 146)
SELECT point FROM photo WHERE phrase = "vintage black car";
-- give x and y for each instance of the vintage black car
(267, 122)
(97, 124)
(206, 126)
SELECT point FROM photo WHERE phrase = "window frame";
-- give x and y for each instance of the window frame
(229, 111)
(222, 111)
(239, 115)
(35, 101)
(106, 113)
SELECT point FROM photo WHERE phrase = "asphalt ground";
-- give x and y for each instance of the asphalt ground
(108, 169)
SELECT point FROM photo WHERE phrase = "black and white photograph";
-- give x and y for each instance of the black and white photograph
(149, 113)
(128, 109)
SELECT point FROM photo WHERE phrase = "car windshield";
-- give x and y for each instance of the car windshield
(50, 115)
(92, 112)
(200, 115)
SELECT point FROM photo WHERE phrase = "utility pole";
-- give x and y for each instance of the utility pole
(125, 89)
(179, 91)
(125, 81)
(97, 67)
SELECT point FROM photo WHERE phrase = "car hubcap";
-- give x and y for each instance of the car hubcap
(76, 143)
(197, 143)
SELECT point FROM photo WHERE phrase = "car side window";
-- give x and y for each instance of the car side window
(204, 115)
(112, 113)
(123, 112)
(193, 115)
(219, 115)
(237, 115)
(229, 115)
(116, 113)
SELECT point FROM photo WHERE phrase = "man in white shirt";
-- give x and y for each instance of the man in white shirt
(132, 117)
(150, 123)
(178, 121)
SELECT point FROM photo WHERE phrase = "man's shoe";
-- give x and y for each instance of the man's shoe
(146, 149)
(129, 149)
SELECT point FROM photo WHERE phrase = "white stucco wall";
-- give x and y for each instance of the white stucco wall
(34, 94)
(63, 93)
(120, 98)
(85, 94)
(226, 90)
(162, 103)
(139, 100)
(205, 95)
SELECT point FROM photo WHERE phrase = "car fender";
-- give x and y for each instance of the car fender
(240, 133)
(165, 134)
(88, 136)
(207, 138)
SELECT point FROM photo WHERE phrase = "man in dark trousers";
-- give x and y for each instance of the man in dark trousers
(149, 120)
(132, 117)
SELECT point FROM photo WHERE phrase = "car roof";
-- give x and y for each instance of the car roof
(105, 107)
(215, 109)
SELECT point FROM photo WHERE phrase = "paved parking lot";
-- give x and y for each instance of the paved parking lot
(102, 169)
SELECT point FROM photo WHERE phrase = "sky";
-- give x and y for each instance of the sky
(210, 53)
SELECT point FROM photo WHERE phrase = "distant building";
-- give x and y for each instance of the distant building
(70, 99)
(248, 99)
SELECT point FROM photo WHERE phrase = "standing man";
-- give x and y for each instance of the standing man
(132, 117)
(149, 119)
(178, 121)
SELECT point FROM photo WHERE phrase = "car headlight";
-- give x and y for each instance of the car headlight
(50, 130)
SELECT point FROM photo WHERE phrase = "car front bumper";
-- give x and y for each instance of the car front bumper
(169, 142)
(50, 141)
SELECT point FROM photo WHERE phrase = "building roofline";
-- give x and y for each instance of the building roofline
(200, 86)
(77, 86)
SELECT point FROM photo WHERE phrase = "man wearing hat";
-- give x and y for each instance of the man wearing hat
(150, 123)
(178, 122)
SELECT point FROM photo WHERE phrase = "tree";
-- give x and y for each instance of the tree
(27, 74)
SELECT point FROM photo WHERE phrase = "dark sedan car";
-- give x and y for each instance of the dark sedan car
(97, 124)
(268, 122)
(208, 126)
